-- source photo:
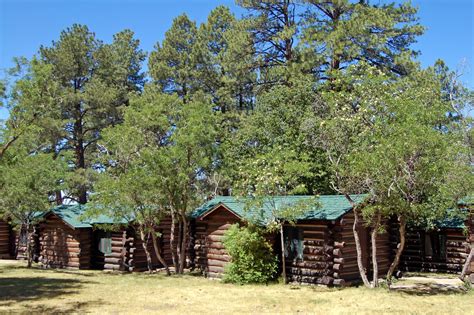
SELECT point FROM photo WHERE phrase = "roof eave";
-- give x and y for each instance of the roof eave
(217, 206)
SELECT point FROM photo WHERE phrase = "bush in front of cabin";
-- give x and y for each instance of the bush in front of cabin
(252, 257)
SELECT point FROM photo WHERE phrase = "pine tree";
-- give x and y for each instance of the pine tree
(94, 80)
(336, 34)
(172, 64)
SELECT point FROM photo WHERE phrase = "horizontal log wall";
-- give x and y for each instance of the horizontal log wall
(211, 256)
(318, 264)
(413, 256)
(136, 256)
(384, 252)
(64, 247)
(5, 240)
(345, 249)
(116, 260)
(19, 244)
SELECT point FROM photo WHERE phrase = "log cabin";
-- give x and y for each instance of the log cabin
(444, 248)
(68, 240)
(319, 248)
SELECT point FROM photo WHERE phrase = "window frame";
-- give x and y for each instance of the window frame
(105, 243)
(436, 240)
(293, 243)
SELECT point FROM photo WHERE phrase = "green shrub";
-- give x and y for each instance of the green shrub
(252, 258)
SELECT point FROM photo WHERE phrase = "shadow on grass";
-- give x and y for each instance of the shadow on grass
(78, 273)
(196, 274)
(73, 307)
(68, 308)
(424, 289)
(18, 289)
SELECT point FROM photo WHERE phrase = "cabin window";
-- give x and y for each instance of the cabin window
(293, 242)
(435, 246)
(23, 238)
(105, 243)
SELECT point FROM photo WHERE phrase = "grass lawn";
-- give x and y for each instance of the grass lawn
(49, 291)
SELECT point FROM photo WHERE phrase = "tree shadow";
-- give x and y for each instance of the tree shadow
(424, 289)
(76, 273)
(73, 307)
(70, 308)
(18, 289)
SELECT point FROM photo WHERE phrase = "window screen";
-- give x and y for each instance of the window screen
(23, 239)
(435, 246)
(293, 242)
(105, 243)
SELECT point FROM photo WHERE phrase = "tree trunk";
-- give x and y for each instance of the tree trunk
(178, 244)
(173, 241)
(362, 271)
(158, 253)
(58, 197)
(29, 254)
(79, 152)
(373, 238)
(145, 248)
(283, 261)
(184, 238)
(400, 248)
(466, 264)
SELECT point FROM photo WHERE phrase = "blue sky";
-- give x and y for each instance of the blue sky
(27, 24)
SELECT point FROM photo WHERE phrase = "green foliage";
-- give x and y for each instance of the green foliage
(72, 91)
(26, 182)
(272, 134)
(335, 34)
(172, 63)
(252, 258)
(388, 138)
(223, 61)
(297, 97)
(156, 160)
(158, 154)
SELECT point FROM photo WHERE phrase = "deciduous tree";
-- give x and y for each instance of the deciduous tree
(26, 183)
(385, 138)
(170, 146)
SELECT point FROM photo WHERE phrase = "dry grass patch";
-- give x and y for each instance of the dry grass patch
(49, 291)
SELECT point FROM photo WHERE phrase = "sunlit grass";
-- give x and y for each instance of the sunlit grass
(37, 290)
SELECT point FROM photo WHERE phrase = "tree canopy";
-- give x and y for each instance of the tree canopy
(293, 97)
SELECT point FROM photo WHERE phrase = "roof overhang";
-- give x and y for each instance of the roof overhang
(51, 212)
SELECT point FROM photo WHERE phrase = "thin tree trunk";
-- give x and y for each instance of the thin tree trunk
(79, 150)
(183, 244)
(173, 241)
(283, 261)
(178, 244)
(373, 238)
(158, 253)
(466, 264)
(29, 255)
(400, 248)
(362, 271)
(145, 248)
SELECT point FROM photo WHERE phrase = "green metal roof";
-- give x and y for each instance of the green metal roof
(455, 219)
(73, 215)
(325, 207)
(452, 223)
